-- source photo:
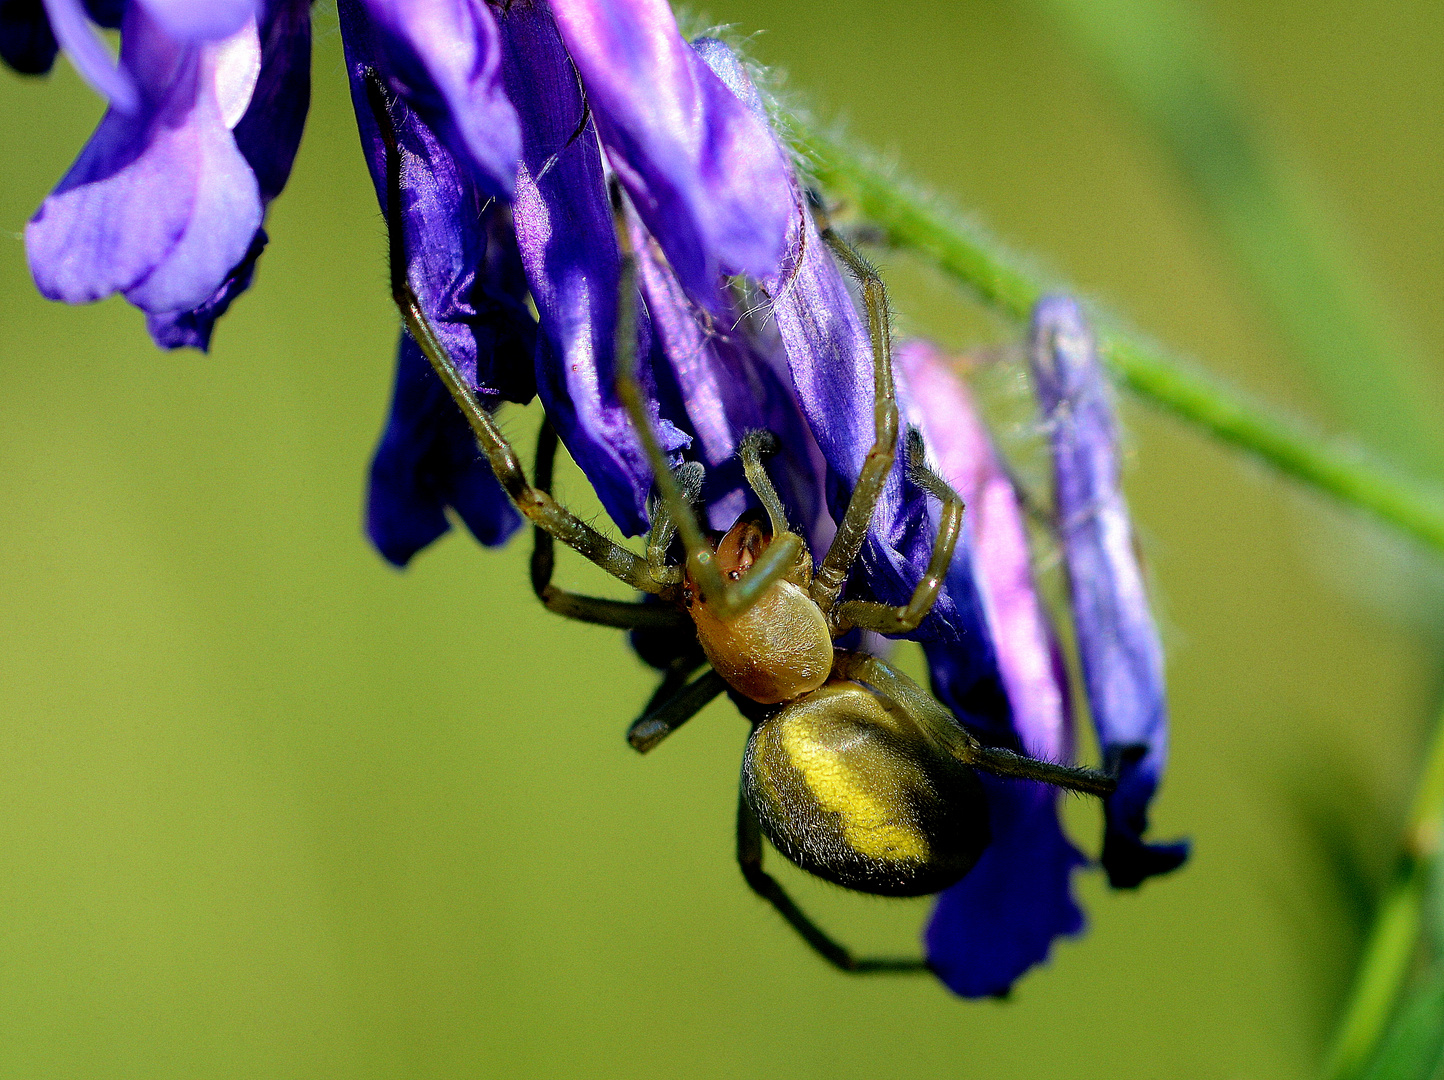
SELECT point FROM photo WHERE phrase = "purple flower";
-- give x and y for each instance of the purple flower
(510, 119)
(1002, 917)
(1117, 642)
(164, 204)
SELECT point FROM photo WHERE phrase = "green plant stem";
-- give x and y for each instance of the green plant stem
(910, 219)
(1394, 935)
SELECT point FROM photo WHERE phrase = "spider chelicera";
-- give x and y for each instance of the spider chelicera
(852, 770)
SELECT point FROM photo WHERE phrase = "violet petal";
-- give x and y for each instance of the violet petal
(427, 461)
(704, 173)
(200, 20)
(160, 204)
(1118, 644)
(568, 244)
(1001, 919)
(462, 260)
(443, 58)
(192, 329)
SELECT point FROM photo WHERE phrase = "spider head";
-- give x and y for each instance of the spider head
(853, 788)
(779, 648)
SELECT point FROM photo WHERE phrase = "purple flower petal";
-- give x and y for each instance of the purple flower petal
(267, 136)
(160, 204)
(427, 461)
(1117, 642)
(200, 20)
(90, 56)
(568, 244)
(727, 382)
(996, 548)
(443, 58)
(462, 257)
(1001, 919)
(704, 173)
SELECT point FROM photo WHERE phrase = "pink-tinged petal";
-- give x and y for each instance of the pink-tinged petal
(160, 204)
(703, 171)
(237, 64)
(77, 36)
(443, 58)
(200, 20)
(997, 546)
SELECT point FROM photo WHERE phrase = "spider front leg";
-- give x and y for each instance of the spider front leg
(727, 598)
(537, 506)
(852, 530)
(749, 858)
(884, 618)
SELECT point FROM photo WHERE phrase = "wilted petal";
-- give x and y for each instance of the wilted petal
(160, 204)
(428, 461)
(568, 243)
(1117, 642)
(443, 58)
(704, 172)
(1002, 918)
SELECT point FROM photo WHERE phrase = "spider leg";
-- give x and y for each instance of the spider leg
(624, 614)
(852, 530)
(749, 858)
(536, 505)
(675, 702)
(727, 598)
(940, 724)
(884, 618)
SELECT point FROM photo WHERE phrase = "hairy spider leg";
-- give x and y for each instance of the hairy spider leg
(537, 506)
(623, 614)
(884, 618)
(727, 598)
(749, 858)
(674, 703)
(939, 723)
(756, 445)
(852, 530)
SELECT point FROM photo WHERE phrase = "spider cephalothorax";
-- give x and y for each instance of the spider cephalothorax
(852, 771)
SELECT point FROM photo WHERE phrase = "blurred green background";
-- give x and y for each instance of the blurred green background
(271, 809)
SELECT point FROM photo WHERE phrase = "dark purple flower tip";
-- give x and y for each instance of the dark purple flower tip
(1002, 918)
(26, 41)
(192, 329)
(443, 59)
(428, 461)
(160, 205)
(1118, 644)
(704, 172)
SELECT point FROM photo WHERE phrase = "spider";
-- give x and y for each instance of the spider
(852, 771)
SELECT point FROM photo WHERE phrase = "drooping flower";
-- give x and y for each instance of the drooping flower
(165, 203)
(1117, 641)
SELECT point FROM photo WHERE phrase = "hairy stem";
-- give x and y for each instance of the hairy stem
(910, 219)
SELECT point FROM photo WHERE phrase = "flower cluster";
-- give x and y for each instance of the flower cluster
(512, 120)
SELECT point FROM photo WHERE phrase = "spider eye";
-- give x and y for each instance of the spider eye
(854, 793)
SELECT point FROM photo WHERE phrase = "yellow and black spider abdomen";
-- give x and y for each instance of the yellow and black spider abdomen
(856, 793)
